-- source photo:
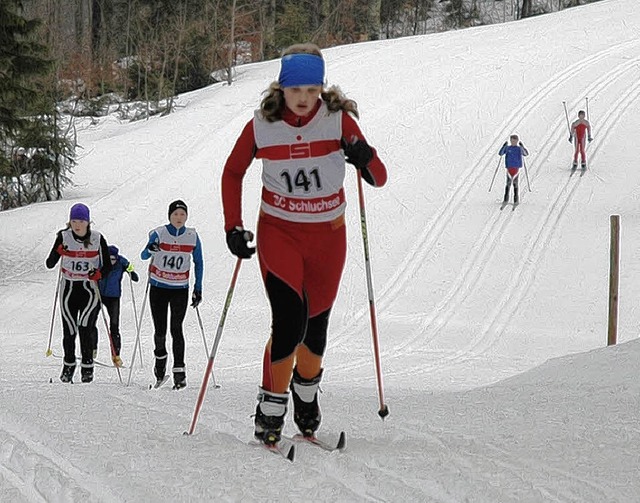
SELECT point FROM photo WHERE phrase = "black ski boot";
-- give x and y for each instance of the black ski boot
(583, 166)
(160, 368)
(270, 413)
(67, 372)
(306, 412)
(86, 373)
(575, 164)
(516, 199)
(179, 378)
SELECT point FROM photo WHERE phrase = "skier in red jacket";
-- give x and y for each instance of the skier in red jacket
(302, 133)
(580, 130)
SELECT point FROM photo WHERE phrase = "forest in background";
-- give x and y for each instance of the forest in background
(154, 49)
(60, 59)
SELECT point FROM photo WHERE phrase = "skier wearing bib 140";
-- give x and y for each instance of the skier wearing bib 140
(172, 246)
(302, 133)
(85, 258)
(513, 160)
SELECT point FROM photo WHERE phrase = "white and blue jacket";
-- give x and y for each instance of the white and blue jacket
(170, 267)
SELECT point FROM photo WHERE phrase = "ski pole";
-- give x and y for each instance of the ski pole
(214, 349)
(524, 163)
(106, 326)
(135, 315)
(586, 99)
(588, 120)
(137, 344)
(495, 173)
(566, 114)
(384, 410)
(204, 340)
(55, 304)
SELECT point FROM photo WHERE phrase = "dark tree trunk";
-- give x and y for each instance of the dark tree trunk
(527, 9)
(96, 26)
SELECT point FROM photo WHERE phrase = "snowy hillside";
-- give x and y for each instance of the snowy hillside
(492, 323)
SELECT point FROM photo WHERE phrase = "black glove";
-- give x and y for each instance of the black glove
(505, 143)
(134, 276)
(520, 143)
(590, 139)
(237, 239)
(153, 247)
(570, 138)
(196, 298)
(358, 152)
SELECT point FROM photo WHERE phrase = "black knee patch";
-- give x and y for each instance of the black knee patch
(289, 317)
(316, 337)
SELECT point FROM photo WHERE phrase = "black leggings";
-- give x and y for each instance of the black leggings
(290, 322)
(80, 306)
(160, 299)
(113, 309)
(514, 180)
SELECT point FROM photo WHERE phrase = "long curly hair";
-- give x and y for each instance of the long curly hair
(272, 105)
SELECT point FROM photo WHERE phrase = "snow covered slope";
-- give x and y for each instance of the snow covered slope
(492, 323)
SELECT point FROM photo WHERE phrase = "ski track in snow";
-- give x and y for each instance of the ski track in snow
(472, 271)
(544, 231)
(41, 474)
(553, 434)
(425, 242)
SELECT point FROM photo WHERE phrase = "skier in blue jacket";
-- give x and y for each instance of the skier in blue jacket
(110, 293)
(514, 154)
(172, 247)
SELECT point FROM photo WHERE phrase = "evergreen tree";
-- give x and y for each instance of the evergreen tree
(20, 59)
(34, 156)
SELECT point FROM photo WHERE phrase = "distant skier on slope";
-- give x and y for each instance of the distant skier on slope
(513, 163)
(85, 258)
(580, 130)
(302, 133)
(110, 292)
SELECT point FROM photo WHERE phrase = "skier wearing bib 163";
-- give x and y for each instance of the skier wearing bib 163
(580, 130)
(171, 247)
(302, 133)
(85, 258)
(110, 292)
(513, 162)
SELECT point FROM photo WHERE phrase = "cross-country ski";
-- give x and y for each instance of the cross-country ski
(159, 383)
(323, 442)
(284, 448)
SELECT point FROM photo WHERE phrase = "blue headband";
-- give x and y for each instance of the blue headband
(301, 70)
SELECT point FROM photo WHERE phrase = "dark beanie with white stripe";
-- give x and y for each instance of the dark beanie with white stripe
(177, 205)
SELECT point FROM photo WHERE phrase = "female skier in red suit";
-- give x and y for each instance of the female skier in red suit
(580, 131)
(302, 133)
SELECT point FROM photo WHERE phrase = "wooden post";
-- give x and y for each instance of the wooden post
(614, 279)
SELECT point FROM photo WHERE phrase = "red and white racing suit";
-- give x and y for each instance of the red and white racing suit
(301, 238)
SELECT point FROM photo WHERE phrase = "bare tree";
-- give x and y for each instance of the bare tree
(527, 8)
(374, 19)
(232, 43)
(180, 28)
